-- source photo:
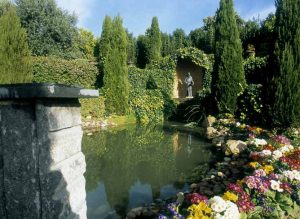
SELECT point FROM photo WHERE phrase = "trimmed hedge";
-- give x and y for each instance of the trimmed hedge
(78, 72)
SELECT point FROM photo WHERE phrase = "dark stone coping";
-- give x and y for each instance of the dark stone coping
(44, 90)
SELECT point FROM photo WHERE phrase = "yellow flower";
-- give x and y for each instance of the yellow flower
(267, 168)
(230, 196)
(254, 164)
(199, 211)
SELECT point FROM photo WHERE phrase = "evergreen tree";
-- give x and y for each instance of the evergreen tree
(113, 50)
(51, 30)
(105, 40)
(15, 65)
(86, 43)
(228, 77)
(141, 50)
(154, 41)
(5, 5)
(131, 50)
(179, 39)
(286, 81)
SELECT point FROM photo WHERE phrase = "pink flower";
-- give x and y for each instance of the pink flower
(196, 198)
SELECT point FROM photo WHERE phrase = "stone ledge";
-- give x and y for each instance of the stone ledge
(44, 90)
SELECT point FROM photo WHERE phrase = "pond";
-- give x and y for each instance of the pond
(132, 166)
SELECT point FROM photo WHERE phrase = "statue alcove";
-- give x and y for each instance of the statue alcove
(183, 67)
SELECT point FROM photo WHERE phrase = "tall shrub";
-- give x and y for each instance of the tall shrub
(114, 58)
(228, 77)
(15, 63)
(51, 30)
(286, 81)
(154, 41)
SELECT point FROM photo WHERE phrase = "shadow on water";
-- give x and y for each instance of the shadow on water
(133, 166)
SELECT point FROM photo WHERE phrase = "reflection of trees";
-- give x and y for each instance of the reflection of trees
(121, 157)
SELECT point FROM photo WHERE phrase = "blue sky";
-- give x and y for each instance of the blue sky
(172, 14)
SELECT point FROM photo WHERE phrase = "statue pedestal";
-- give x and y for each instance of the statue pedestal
(41, 163)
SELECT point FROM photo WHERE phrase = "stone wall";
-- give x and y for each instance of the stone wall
(41, 163)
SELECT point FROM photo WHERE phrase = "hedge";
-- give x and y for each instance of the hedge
(78, 72)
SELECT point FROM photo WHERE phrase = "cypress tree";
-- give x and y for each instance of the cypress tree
(105, 40)
(154, 41)
(228, 77)
(286, 80)
(15, 65)
(114, 58)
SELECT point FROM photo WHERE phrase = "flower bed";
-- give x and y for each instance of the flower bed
(268, 188)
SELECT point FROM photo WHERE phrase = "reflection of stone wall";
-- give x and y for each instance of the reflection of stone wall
(183, 67)
(41, 163)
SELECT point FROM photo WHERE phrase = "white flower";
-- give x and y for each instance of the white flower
(218, 216)
(296, 174)
(289, 174)
(291, 147)
(217, 204)
(237, 124)
(265, 153)
(258, 142)
(232, 211)
(284, 149)
(277, 154)
(275, 185)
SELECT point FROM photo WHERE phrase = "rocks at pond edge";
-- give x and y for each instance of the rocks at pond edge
(208, 121)
(234, 147)
(211, 133)
(218, 141)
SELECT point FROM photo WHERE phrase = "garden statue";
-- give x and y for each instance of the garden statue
(189, 83)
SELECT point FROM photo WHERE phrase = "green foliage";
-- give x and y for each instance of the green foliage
(228, 77)
(79, 72)
(148, 106)
(154, 42)
(51, 30)
(5, 5)
(86, 43)
(15, 60)
(141, 47)
(255, 70)
(179, 39)
(152, 110)
(131, 49)
(167, 48)
(286, 90)
(203, 38)
(104, 42)
(250, 105)
(71, 72)
(115, 70)
(94, 107)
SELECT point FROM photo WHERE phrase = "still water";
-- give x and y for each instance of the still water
(131, 166)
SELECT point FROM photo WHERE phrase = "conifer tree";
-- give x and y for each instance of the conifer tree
(105, 40)
(228, 76)
(154, 41)
(15, 65)
(113, 56)
(286, 81)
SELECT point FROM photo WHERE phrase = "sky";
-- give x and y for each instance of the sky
(172, 14)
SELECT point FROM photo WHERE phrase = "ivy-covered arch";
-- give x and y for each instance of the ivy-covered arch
(199, 59)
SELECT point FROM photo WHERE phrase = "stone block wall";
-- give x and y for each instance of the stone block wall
(41, 163)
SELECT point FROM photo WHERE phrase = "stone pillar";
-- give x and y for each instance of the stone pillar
(41, 163)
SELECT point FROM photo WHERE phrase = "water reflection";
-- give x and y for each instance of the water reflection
(131, 166)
